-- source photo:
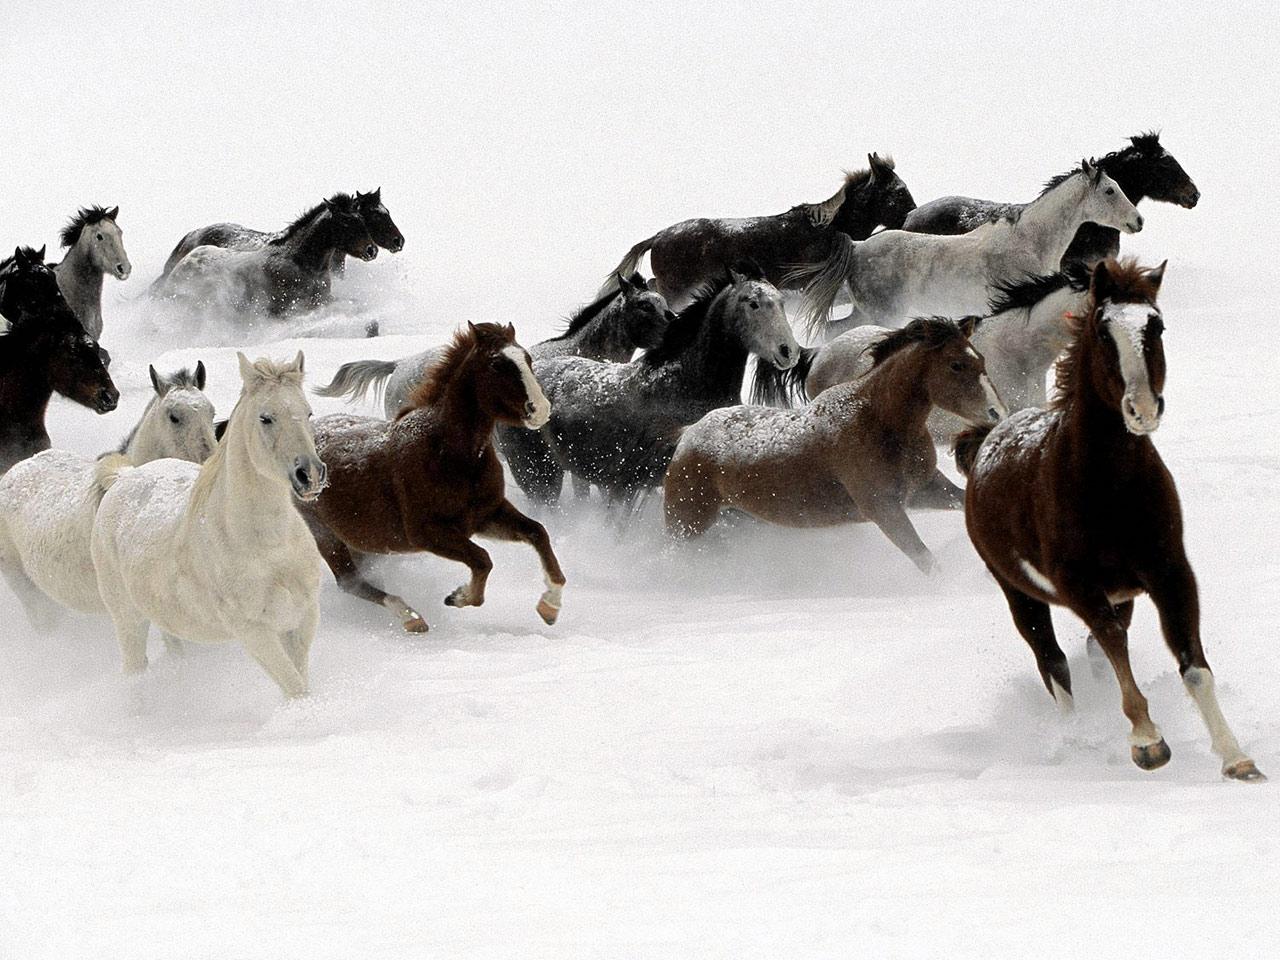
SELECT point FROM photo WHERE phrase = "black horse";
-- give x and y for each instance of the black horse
(688, 254)
(44, 349)
(368, 206)
(289, 272)
(1142, 169)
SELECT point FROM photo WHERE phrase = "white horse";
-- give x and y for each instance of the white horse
(95, 247)
(48, 502)
(219, 553)
(897, 274)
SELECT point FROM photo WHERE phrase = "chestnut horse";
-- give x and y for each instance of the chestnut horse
(1073, 506)
(429, 480)
(860, 451)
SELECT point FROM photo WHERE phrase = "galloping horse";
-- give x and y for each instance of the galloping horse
(616, 424)
(217, 553)
(289, 272)
(48, 502)
(430, 479)
(688, 254)
(859, 452)
(44, 350)
(1073, 506)
(95, 247)
(1142, 169)
(377, 219)
(897, 274)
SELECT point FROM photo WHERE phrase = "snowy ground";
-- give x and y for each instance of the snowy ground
(777, 744)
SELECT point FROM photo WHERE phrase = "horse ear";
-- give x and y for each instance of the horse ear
(624, 285)
(298, 362)
(17, 254)
(1101, 283)
(247, 373)
(113, 212)
(377, 194)
(1156, 275)
(40, 253)
(156, 383)
(736, 278)
(200, 374)
(510, 328)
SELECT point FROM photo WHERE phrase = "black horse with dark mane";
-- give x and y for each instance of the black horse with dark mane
(368, 206)
(686, 255)
(1142, 169)
(43, 349)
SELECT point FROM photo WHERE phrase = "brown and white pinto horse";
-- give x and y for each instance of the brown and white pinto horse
(430, 479)
(1073, 506)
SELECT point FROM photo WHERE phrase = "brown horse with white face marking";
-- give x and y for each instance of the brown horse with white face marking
(430, 479)
(860, 451)
(1073, 505)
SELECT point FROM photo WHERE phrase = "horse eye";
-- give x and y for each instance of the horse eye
(99, 236)
(957, 366)
(755, 304)
(1111, 191)
(266, 419)
(174, 419)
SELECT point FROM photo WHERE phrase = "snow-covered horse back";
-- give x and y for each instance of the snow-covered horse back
(218, 553)
(860, 452)
(95, 248)
(48, 502)
(897, 274)
(1072, 505)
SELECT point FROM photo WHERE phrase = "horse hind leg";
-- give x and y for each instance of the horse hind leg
(690, 502)
(346, 570)
(271, 655)
(510, 524)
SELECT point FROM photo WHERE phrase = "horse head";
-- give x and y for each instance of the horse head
(274, 418)
(754, 308)
(1104, 203)
(377, 218)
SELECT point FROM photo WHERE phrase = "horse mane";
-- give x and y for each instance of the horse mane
(1027, 291)
(585, 315)
(1130, 283)
(684, 329)
(825, 212)
(930, 332)
(438, 377)
(1146, 143)
(344, 202)
(84, 217)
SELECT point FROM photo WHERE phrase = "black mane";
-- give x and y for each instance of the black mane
(684, 329)
(932, 332)
(1143, 144)
(343, 202)
(83, 217)
(585, 315)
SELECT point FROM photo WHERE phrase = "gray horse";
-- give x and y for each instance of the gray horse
(95, 248)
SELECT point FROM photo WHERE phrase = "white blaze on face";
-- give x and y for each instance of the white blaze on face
(993, 397)
(1127, 324)
(541, 405)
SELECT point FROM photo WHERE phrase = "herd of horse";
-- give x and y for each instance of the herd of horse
(959, 311)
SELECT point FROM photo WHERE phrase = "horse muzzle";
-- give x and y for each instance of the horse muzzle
(370, 253)
(1189, 200)
(536, 414)
(396, 245)
(106, 400)
(309, 478)
(123, 270)
(786, 356)
(1134, 225)
(1143, 417)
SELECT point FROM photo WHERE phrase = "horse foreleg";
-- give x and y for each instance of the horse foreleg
(271, 655)
(351, 580)
(1177, 601)
(892, 519)
(1147, 745)
(298, 641)
(938, 493)
(43, 613)
(452, 544)
(508, 523)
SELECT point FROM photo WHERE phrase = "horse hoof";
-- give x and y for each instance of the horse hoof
(547, 612)
(1244, 770)
(371, 328)
(415, 625)
(461, 598)
(1153, 756)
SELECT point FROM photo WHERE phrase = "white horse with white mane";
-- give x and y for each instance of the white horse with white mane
(48, 502)
(897, 274)
(218, 553)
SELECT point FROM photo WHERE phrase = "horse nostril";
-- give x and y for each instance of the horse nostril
(530, 408)
(1159, 406)
(303, 478)
(785, 351)
(371, 251)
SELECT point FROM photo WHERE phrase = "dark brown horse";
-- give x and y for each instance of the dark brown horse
(430, 479)
(1073, 506)
(859, 452)
(688, 254)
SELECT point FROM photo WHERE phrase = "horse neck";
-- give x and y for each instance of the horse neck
(140, 445)
(1126, 171)
(466, 427)
(247, 505)
(603, 337)
(25, 390)
(313, 246)
(79, 278)
(1048, 224)
(895, 392)
(854, 217)
(1095, 431)
(714, 363)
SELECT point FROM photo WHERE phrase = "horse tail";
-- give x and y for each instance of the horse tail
(107, 471)
(626, 267)
(781, 388)
(965, 447)
(354, 379)
(823, 281)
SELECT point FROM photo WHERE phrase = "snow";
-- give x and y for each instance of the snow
(774, 743)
